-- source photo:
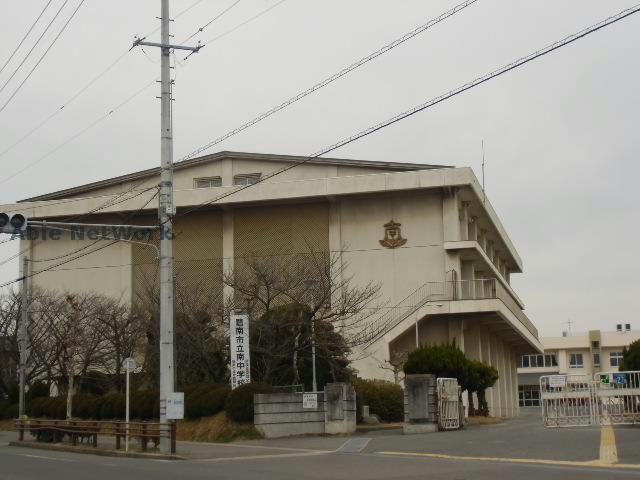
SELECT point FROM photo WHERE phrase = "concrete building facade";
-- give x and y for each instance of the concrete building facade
(572, 354)
(425, 233)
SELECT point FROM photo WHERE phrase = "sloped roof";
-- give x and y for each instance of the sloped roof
(215, 157)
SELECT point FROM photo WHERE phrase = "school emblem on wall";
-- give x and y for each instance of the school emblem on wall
(392, 235)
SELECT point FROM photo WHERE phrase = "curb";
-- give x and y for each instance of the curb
(95, 451)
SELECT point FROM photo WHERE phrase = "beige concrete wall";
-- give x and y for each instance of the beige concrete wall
(403, 269)
(107, 271)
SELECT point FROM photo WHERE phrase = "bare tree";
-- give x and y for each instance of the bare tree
(287, 292)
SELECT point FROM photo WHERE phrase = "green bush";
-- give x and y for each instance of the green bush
(205, 400)
(239, 403)
(8, 410)
(444, 361)
(631, 357)
(145, 404)
(385, 399)
(38, 389)
(113, 406)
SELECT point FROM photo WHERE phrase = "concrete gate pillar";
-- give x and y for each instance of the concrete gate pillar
(420, 403)
(340, 408)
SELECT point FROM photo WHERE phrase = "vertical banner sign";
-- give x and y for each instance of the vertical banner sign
(239, 343)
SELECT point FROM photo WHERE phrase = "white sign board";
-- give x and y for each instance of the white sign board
(557, 381)
(129, 364)
(239, 343)
(175, 406)
(310, 400)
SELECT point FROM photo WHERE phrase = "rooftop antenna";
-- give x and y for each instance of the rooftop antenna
(568, 323)
(484, 195)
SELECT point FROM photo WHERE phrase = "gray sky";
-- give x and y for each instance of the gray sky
(561, 134)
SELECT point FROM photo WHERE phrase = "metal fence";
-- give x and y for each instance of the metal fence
(579, 400)
(618, 397)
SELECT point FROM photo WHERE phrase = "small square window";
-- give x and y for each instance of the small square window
(208, 182)
(576, 360)
(615, 359)
(595, 344)
(246, 179)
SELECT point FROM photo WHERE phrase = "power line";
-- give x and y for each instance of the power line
(240, 25)
(332, 78)
(25, 36)
(436, 100)
(51, 267)
(83, 89)
(78, 134)
(201, 29)
(107, 204)
(64, 27)
(34, 46)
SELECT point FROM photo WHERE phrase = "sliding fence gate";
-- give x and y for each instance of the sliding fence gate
(448, 392)
(579, 400)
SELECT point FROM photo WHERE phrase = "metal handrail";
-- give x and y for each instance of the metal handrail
(478, 289)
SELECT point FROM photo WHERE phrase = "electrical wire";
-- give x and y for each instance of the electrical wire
(55, 39)
(332, 78)
(240, 25)
(436, 100)
(83, 89)
(51, 267)
(33, 47)
(77, 134)
(25, 36)
(201, 29)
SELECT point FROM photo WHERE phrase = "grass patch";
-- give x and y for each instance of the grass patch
(483, 420)
(217, 428)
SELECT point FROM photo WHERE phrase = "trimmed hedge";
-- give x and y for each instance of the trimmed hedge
(8, 410)
(239, 403)
(206, 400)
(385, 399)
(200, 400)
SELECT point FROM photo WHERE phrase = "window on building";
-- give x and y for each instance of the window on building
(576, 360)
(595, 344)
(596, 359)
(246, 179)
(529, 395)
(538, 361)
(524, 361)
(208, 182)
(550, 361)
(615, 359)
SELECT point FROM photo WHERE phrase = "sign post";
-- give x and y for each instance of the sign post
(239, 345)
(129, 364)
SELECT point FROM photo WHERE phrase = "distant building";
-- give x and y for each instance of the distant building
(573, 354)
(426, 233)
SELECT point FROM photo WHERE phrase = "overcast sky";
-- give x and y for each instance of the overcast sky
(561, 134)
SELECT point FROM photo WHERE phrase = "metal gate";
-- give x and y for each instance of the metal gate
(618, 397)
(448, 403)
(567, 400)
(578, 400)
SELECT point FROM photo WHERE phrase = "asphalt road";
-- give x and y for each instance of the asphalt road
(516, 449)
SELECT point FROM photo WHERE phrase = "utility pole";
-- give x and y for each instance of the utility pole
(24, 334)
(311, 285)
(166, 211)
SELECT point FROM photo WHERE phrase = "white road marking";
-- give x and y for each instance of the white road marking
(264, 447)
(41, 457)
(261, 457)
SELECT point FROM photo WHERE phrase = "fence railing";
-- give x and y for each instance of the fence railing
(81, 430)
(478, 289)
